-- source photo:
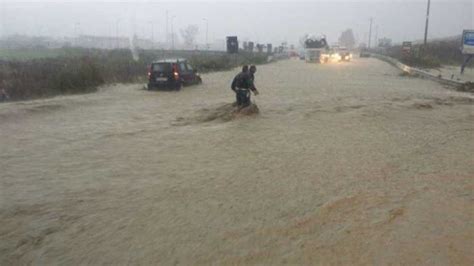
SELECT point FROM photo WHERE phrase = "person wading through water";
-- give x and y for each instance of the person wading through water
(243, 84)
(252, 71)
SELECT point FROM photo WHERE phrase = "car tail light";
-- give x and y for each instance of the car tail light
(175, 72)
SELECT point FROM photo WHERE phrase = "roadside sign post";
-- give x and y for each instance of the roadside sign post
(467, 47)
(232, 45)
(406, 48)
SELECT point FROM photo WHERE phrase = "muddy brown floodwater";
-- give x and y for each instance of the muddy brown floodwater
(346, 164)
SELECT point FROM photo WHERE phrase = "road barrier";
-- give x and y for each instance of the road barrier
(415, 71)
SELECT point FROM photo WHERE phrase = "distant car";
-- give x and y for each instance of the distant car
(172, 74)
(345, 54)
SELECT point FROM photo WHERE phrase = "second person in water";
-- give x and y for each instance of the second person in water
(243, 83)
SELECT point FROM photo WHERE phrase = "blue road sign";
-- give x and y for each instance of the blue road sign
(468, 42)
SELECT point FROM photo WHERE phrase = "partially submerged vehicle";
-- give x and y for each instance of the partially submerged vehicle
(172, 74)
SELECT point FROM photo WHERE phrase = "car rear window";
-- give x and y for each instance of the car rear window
(162, 67)
(182, 67)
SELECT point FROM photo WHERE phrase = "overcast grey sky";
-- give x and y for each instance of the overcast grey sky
(260, 21)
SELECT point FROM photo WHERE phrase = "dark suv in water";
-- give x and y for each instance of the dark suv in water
(171, 74)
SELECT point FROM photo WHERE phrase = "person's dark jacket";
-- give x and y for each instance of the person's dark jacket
(243, 80)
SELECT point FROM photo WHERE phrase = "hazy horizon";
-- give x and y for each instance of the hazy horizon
(264, 22)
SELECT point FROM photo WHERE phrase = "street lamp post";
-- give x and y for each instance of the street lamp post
(166, 30)
(2, 20)
(152, 35)
(117, 33)
(376, 44)
(172, 33)
(76, 33)
(370, 31)
(207, 31)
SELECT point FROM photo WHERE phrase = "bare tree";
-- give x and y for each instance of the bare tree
(347, 38)
(189, 35)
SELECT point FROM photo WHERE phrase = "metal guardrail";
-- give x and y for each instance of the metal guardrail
(416, 71)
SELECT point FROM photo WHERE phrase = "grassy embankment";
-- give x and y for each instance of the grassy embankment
(434, 55)
(29, 74)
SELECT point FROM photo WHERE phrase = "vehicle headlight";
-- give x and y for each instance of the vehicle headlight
(336, 56)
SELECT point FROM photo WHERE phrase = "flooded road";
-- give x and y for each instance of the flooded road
(345, 164)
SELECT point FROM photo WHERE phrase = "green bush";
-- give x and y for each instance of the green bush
(434, 55)
(82, 70)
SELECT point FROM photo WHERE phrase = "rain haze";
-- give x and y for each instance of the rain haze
(260, 21)
(237, 132)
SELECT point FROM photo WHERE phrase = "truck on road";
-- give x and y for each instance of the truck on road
(316, 49)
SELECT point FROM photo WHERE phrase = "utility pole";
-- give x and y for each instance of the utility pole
(370, 31)
(427, 21)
